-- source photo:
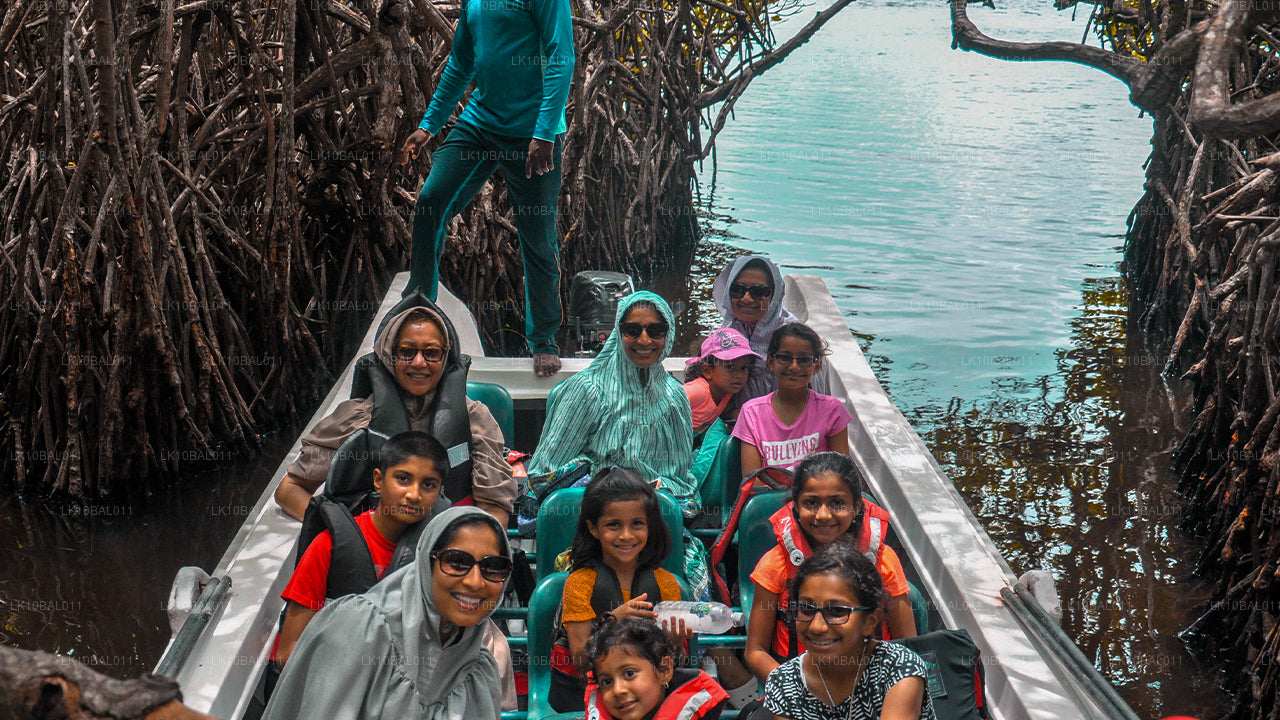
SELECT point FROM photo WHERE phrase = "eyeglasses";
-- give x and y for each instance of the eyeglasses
(458, 563)
(832, 614)
(408, 353)
(656, 331)
(759, 292)
(786, 359)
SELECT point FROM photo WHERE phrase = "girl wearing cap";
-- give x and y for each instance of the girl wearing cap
(713, 378)
(711, 381)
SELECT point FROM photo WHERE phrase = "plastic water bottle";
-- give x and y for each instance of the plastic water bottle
(707, 618)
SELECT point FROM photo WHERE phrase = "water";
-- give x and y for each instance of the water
(968, 216)
(91, 580)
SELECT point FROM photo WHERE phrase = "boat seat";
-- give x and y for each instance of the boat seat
(558, 522)
(498, 400)
(542, 615)
(724, 479)
(755, 538)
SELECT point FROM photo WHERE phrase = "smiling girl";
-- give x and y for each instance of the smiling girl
(621, 541)
(826, 508)
(632, 666)
(793, 422)
(846, 673)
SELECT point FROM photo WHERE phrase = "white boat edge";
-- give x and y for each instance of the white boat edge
(939, 535)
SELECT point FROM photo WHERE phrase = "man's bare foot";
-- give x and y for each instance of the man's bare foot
(545, 364)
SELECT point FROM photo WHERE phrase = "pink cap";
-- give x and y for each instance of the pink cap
(725, 344)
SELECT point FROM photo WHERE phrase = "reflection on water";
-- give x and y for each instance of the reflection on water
(1070, 471)
(90, 580)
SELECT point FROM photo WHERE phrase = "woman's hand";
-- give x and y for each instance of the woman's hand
(637, 607)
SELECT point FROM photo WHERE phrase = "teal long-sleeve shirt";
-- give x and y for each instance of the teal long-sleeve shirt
(520, 54)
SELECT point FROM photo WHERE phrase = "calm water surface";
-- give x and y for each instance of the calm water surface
(968, 215)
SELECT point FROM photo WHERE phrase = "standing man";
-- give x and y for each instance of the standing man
(520, 54)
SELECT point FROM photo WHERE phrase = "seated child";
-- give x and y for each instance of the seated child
(847, 672)
(792, 422)
(411, 470)
(712, 379)
(632, 669)
(615, 557)
(826, 508)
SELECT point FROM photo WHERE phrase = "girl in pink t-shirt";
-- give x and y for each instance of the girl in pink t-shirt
(793, 422)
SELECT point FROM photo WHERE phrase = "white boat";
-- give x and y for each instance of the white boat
(221, 645)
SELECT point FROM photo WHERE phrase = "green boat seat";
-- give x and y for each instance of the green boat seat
(755, 538)
(720, 490)
(919, 608)
(558, 522)
(498, 400)
(542, 615)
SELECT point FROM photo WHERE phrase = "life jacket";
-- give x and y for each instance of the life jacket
(696, 695)
(450, 422)
(348, 492)
(795, 547)
(606, 596)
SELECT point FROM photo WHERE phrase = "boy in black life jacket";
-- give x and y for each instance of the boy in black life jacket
(411, 470)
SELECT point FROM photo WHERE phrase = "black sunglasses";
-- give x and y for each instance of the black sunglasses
(657, 330)
(407, 353)
(832, 614)
(759, 292)
(458, 563)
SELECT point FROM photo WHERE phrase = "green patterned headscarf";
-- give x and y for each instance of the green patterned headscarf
(615, 413)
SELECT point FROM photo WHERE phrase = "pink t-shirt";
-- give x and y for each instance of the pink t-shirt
(786, 445)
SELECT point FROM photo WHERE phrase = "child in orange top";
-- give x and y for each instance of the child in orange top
(827, 507)
(615, 557)
(632, 666)
(712, 379)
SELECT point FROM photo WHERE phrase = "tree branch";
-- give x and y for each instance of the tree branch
(966, 36)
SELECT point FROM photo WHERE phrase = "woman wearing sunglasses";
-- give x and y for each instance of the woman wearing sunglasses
(748, 293)
(625, 409)
(415, 380)
(415, 646)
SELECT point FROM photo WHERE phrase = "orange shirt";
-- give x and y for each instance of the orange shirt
(771, 574)
(581, 583)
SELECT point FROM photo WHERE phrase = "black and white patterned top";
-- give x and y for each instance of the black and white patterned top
(787, 695)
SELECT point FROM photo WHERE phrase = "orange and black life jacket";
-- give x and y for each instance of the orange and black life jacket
(696, 695)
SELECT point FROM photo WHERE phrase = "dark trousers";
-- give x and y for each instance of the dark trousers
(459, 168)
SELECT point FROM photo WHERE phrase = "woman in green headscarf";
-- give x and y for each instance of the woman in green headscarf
(415, 645)
(625, 409)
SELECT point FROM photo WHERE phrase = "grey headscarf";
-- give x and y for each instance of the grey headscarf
(761, 382)
(381, 655)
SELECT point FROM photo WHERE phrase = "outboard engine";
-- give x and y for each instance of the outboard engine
(593, 305)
